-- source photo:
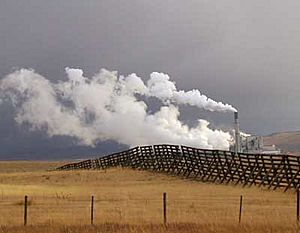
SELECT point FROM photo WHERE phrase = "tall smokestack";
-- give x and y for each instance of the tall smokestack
(237, 147)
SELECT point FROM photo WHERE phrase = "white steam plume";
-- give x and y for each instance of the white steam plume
(161, 87)
(106, 107)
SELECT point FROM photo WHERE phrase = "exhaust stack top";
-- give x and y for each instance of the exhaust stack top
(237, 147)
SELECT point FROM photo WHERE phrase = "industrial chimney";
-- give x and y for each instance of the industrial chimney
(237, 146)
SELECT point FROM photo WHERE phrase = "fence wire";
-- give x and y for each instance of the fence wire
(193, 209)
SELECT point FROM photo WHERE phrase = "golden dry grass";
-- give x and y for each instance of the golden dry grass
(131, 201)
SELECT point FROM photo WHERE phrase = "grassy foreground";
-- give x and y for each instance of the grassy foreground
(131, 201)
(176, 228)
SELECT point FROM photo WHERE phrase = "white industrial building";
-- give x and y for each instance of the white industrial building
(249, 143)
(255, 144)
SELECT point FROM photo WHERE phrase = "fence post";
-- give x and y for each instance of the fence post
(92, 211)
(298, 210)
(241, 206)
(25, 210)
(165, 208)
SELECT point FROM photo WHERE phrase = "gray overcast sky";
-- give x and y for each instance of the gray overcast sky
(246, 53)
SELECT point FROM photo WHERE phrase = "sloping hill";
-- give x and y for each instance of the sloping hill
(287, 141)
(130, 201)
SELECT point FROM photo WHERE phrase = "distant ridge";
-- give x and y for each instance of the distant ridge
(286, 141)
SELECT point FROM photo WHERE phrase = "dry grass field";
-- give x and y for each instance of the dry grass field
(131, 201)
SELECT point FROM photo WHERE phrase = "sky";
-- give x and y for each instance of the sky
(246, 53)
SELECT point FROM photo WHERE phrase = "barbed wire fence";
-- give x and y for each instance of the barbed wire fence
(162, 209)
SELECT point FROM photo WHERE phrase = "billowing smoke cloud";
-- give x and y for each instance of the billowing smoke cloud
(108, 107)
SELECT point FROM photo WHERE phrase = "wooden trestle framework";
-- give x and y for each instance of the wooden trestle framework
(272, 171)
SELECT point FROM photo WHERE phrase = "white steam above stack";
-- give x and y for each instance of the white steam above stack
(108, 107)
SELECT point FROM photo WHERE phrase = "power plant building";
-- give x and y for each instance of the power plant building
(255, 144)
(250, 144)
